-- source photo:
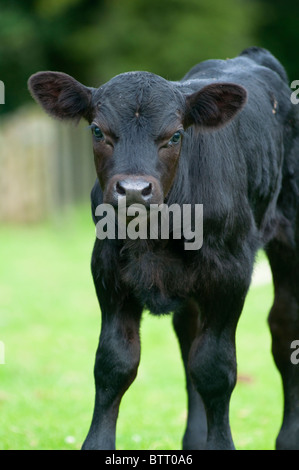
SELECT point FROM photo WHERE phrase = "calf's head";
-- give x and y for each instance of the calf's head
(137, 121)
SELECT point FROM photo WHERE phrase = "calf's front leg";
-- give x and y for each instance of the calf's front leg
(116, 364)
(186, 325)
(212, 359)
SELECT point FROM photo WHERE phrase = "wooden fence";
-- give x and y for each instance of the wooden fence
(45, 165)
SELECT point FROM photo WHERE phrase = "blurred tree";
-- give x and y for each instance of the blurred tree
(166, 37)
(36, 35)
(94, 40)
(278, 31)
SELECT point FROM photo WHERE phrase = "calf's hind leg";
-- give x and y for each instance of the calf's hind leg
(284, 326)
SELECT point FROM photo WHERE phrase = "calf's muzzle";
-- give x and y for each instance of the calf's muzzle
(137, 189)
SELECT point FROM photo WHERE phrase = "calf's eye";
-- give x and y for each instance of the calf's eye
(175, 139)
(98, 133)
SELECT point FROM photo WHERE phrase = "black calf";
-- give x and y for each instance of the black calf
(225, 136)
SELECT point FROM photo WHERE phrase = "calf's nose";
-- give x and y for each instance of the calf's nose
(135, 190)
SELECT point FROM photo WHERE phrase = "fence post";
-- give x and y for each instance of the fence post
(45, 166)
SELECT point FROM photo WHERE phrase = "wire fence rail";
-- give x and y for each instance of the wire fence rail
(45, 165)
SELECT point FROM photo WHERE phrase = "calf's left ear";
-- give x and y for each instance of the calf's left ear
(214, 105)
(61, 95)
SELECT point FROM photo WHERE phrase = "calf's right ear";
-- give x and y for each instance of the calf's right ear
(61, 95)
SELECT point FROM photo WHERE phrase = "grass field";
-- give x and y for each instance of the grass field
(49, 324)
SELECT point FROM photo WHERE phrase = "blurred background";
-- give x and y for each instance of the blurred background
(45, 165)
(48, 311)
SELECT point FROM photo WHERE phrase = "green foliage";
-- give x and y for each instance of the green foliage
(20, 51)
(278, 31)
(95, 40)
(36, 35)
(167, 37)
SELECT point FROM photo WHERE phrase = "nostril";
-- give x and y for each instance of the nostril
(147, 190)
(120, 189)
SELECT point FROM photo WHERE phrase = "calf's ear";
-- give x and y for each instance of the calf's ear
(60, 95)
(214, 105)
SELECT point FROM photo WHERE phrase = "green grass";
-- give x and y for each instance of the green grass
(50, 322)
